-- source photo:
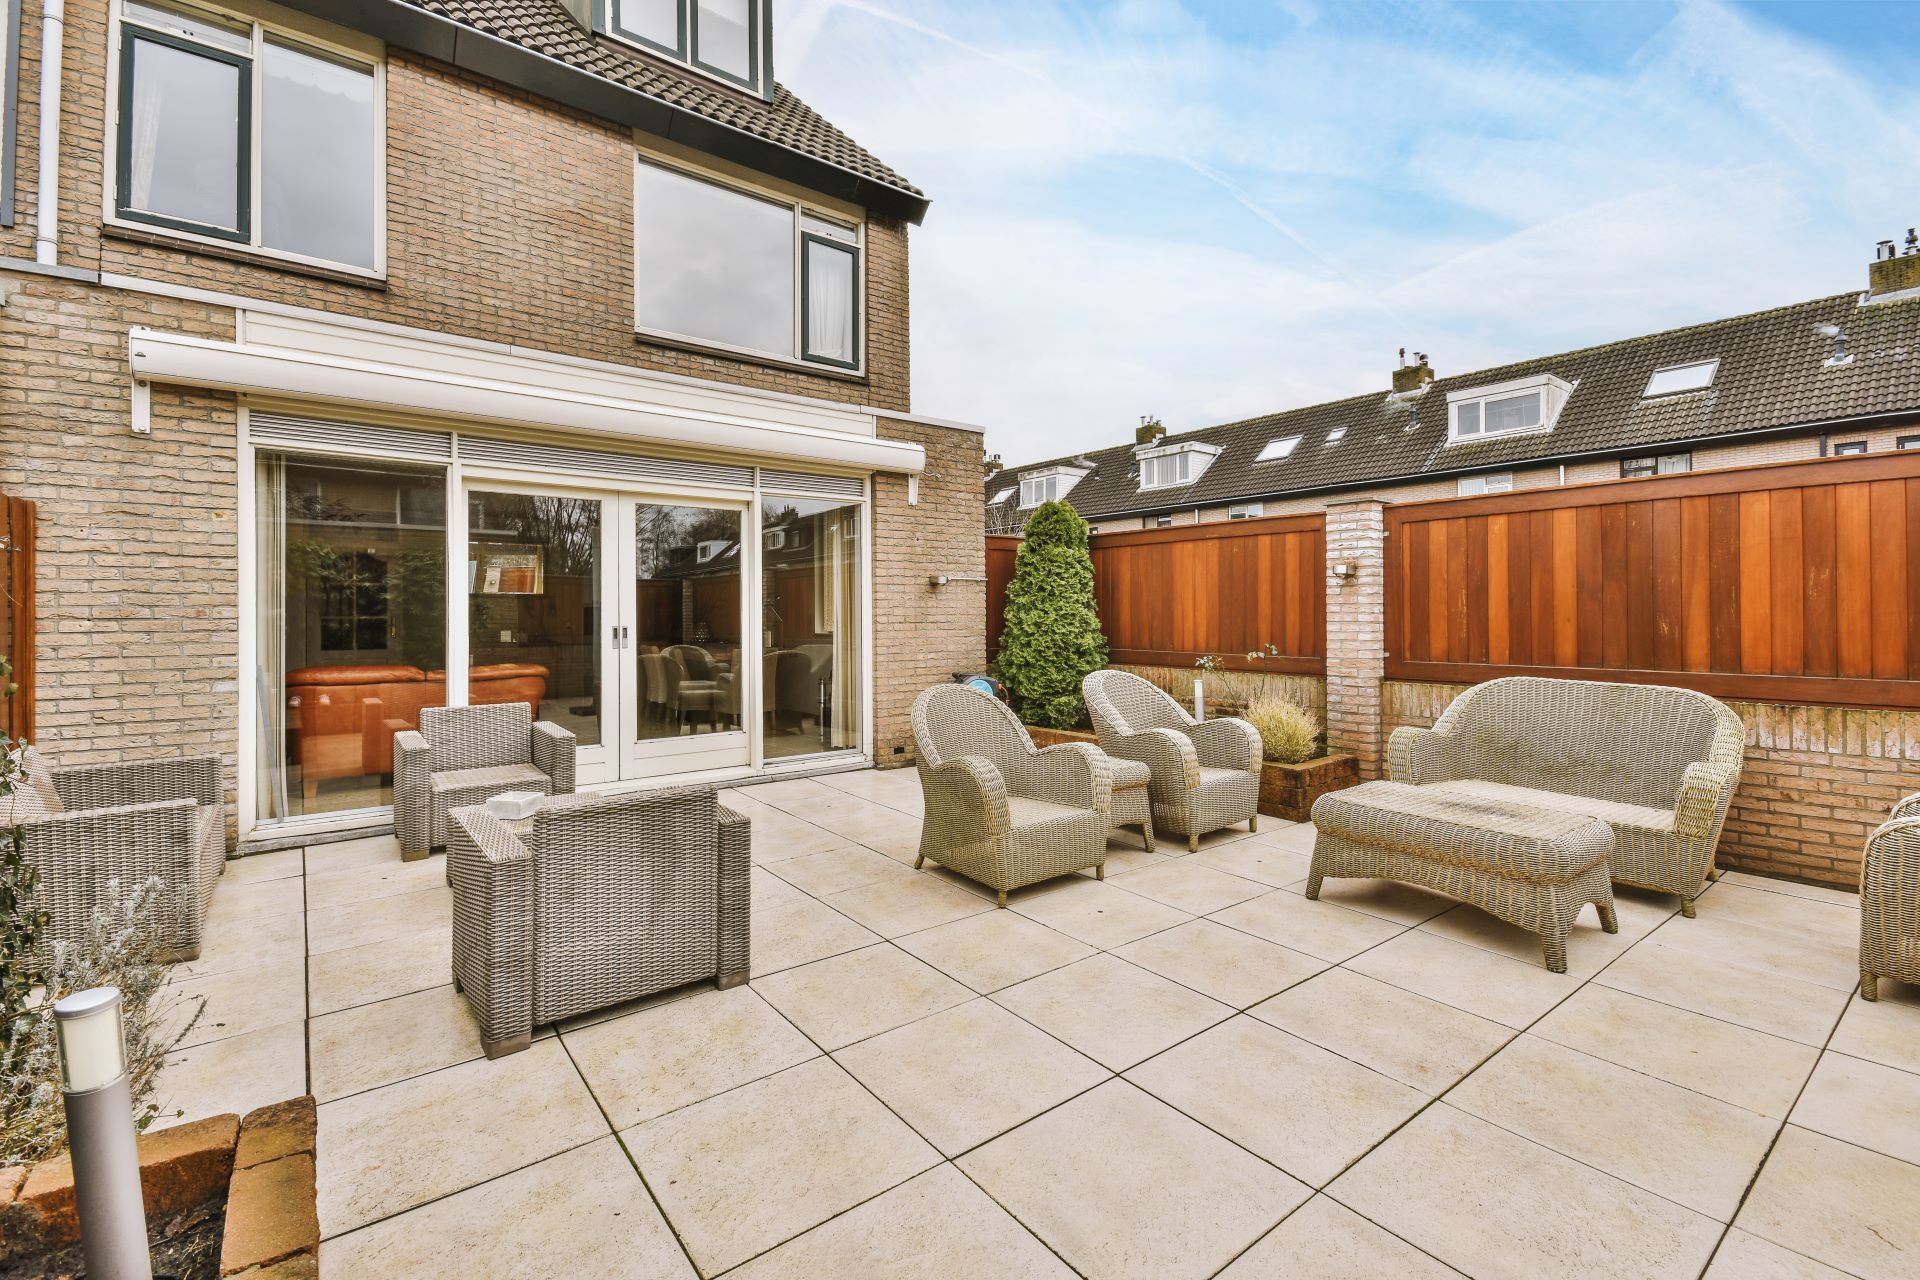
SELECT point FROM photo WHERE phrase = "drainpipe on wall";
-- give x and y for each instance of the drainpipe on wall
(47, 228)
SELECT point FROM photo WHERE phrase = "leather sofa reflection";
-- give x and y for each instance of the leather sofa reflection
(342, 719)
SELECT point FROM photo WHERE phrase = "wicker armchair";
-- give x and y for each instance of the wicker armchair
(1206, 774)
(462, 755)
(164, 819)
(1890, 901)
(997, 810)
(593, 901)
(1658, 765)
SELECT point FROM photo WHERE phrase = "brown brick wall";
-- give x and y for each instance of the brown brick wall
(1817, 780)
(509, 218)
(923, 634)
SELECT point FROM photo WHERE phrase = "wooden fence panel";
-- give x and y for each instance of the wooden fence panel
(16, 613)
(1794, 582)
(1168, 597)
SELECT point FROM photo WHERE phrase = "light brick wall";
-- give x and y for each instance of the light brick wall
(1356, 632)
(922, 634)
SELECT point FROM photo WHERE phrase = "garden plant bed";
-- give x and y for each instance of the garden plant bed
(1286, 790)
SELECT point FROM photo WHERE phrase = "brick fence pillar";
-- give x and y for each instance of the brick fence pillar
(1356, 632)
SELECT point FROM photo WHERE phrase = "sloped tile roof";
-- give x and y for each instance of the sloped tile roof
(545, 27)
(1772, 376)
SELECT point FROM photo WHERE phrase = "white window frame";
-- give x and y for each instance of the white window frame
(1335, 436)
(1057, 483)
(1246, 510)
(1002, 495)
(298, 38)
(759, 54)
(1278, 448)
(1653, 461)
(1553, 394)
(1850, 448)
(1199, 457)
(1711, 366)
(1477, 486)
(801, 210)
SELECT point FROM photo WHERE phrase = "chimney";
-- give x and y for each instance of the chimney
(1895, 269)
(1412, 377)
(1148, 431)
(992, 464)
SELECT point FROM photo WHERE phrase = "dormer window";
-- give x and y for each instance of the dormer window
(723, 38)
(1050, 485)
(1274, 450)
(1519, 407)
(1681, 377)
(1171, 466)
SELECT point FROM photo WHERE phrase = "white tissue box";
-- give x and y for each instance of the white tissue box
(511, 806)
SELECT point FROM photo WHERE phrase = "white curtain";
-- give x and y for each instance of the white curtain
(148, 99)
(830, 302)
(270, 670)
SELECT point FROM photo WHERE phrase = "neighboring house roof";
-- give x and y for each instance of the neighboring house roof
(1773, 376)
(536, 45)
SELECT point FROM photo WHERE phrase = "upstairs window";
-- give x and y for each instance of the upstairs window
(1681, 377)
(1166, 470)
(1508, 408)
(718, 265)
(1000, 496)
(1039, 489)
(1336, 435)
(724, 38)
(235, 132)
(1274, 450)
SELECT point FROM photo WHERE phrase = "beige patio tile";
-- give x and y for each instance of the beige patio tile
(1309, 1111)
(362, 851)
(379, 970)
(1098, 913)
(776, 836)
(341, 886)
(1793, 888)
(1849, 1207)
(358, 923)
(234, 1002)
(648, 1063)
(1886, 1030)
(237, 901)
(1317, 928)
(1743, 1256)
(1804, 957)
(744, 1171)
(1589, 948)
(1328, 1241)
(836, 870)
(938, 1226)
(1727, 990)
(859, 994)
(994, 949)
(581, 1213)
(909, 904)
(1417, 1041)
(1863, 1103)
(768, 892)
(1258, 860)
(969, 1073)
(1832, 921)
(1491, 1203)
(1233, 967)
(242, 944)
(1116, 1013)
(1511, 992)
(374, 1044)
(1406, 904)
(786, 793)
(890, 831)
(1212, 840)
(234, 1075)
(256, 867)
(1295, 837)
(895, 788)
(1124, 856)
(394, 1147)
(1189, 886)
(1123, 1186)
(801, 933)
(1735, 1064)
(1692, 1149)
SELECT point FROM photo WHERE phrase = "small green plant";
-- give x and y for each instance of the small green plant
(1052, 639)
(1288, 731)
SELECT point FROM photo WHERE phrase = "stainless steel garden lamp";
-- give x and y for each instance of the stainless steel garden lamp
(100, 1136)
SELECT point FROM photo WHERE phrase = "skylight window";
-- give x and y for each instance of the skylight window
(1278, 449)
(1335, 436)
(1681, 377)
(1000, 497)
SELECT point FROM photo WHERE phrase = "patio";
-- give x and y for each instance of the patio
(1189, 1070)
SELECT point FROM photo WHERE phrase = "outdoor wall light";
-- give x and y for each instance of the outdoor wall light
(942, 579)
(1346, 570)
(106, 1160)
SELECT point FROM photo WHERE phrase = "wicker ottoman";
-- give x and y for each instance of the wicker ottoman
(1534, 868)
(1132, 805)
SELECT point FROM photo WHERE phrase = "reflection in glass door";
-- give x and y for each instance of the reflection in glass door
(687, 691)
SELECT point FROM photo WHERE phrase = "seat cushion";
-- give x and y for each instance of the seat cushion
(1029, 813)
(1523, 842)
(1611, 812)
(1222, 777)
(491, 780)
(1130, 773)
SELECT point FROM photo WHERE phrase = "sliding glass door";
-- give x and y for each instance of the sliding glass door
(811, 601)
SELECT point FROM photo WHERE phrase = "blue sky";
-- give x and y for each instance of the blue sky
(1206, 211)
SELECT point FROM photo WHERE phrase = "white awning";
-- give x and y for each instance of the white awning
(529, 394)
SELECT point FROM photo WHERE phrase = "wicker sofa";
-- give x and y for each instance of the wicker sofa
(1658, 765)
(84, 827)
(461, 756)
(593, 901)
(1890, 900)
(1205, 774)
(998, 810)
